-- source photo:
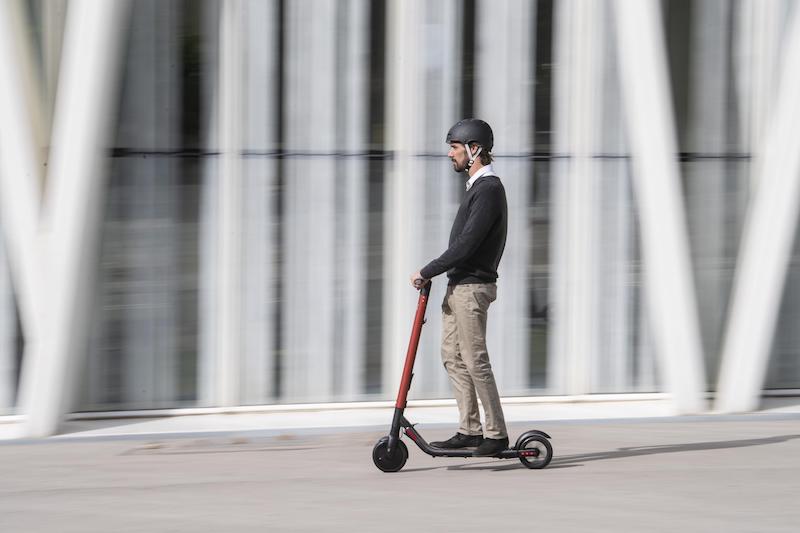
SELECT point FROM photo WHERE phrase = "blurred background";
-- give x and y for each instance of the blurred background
(277, 169)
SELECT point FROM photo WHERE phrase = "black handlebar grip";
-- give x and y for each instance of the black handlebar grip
(426, 289)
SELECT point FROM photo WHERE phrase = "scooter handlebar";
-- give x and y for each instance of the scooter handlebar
(425, 290)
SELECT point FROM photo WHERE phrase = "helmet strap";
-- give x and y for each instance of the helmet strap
(472, 157)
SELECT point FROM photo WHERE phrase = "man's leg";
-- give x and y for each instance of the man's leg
(469, 305)
(460, 380)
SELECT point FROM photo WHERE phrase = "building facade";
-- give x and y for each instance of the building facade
(273, 171)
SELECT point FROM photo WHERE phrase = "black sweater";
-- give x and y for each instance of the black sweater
(478, 236)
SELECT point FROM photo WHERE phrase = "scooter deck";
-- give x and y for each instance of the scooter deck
(469, 452)
(411, 433)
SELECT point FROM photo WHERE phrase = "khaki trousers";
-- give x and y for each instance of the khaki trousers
(466, 359)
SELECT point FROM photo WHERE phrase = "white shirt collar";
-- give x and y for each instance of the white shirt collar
(485, 170)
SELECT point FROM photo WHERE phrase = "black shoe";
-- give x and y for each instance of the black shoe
(459, 440)
(491, 447)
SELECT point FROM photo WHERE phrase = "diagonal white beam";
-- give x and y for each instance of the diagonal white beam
(656, 179)
(21, 175)
(21, 161)
(766, 245)
(84, 107)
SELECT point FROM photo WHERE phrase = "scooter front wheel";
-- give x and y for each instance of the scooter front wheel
(386, 462)
(535, 452)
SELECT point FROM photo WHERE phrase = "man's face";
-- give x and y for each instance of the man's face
(458, 155)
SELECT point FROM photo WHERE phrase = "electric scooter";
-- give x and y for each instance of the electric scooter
(390, 454)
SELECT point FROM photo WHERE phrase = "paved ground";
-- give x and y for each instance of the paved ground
(673, 474)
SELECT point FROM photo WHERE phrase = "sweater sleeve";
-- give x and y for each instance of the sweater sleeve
(484, 209)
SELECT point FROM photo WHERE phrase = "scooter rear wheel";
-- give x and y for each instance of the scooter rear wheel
(535, 452)
(386, 462)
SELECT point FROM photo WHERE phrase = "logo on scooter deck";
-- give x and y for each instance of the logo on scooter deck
(531, 453)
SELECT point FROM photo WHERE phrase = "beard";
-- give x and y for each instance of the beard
(457, 167)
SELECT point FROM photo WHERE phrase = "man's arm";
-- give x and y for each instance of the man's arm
(483, 212)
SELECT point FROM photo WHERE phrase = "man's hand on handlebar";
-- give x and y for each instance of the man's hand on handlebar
(417, 281)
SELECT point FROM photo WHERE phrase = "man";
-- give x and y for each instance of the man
(476, 244)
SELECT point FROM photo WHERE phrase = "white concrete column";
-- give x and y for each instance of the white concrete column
(504, 98)
(260, 28)
(311, 186)
(442, 188)
(766, 244)
(230, 283)
(92, 39)
(656, 176)
(615, 355)
(576, 184)
(352, 95)
(624, 359)
(422, 192)
(405, 193)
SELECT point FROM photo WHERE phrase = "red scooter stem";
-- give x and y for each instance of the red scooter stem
(411, 354)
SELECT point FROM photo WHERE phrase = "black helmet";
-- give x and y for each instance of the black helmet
(471, 130)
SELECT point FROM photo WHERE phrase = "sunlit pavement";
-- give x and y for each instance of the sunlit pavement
(668, 474)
